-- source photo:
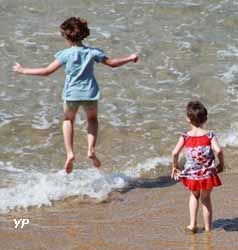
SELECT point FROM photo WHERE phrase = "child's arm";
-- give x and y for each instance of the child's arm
(217, 149)
(175, 154)
(51, 68)
(117, 62)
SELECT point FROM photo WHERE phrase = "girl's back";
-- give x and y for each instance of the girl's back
(80, 82)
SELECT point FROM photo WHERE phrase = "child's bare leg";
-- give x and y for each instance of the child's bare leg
(193, 209)
(68, 131)
(92, 135)
(207, 208)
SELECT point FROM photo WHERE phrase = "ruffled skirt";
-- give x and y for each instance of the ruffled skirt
(202, 184)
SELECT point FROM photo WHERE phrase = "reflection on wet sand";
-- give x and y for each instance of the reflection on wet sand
(149, 216)
(202, 242)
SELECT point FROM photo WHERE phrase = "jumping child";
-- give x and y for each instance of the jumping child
(81, 87)
(200, 171)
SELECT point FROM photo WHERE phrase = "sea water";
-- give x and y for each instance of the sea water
(188, 51)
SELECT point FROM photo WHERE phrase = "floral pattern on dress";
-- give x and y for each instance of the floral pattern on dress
(200, 161)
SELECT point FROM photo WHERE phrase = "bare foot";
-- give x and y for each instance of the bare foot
(95, 161)
(190, 229)
(69, 164)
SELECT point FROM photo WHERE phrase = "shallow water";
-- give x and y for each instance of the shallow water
(151, 216)
(188, 50)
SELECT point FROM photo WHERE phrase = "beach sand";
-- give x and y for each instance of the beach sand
(151, 215)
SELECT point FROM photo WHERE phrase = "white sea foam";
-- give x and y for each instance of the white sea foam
(147, 166)
(5, 97)
(26, 42)
(231, 51)
(214, 7)
(141, 85)
(8, 167)
(166, 81)
(231, 74)
(184, 45)
(51, 34)
(106, 34)
(4, 119)
(39, 189)
(40, 121)
(229, 139)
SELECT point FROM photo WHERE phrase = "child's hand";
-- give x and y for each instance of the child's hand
(18, 68)
(175, 173)
(134, 57)
(219, 168)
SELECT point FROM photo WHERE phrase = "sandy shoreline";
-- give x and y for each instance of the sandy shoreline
(151, 216)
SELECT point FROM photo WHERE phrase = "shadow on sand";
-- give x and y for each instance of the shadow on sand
(229, 225)
(161, 182)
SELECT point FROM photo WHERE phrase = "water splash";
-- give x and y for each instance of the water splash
(38, 189)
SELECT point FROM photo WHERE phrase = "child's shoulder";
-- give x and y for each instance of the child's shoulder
(94, 49)
(200, 133)
(64, 51)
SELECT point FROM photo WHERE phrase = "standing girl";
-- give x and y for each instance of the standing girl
(81, 87)
(200, 172)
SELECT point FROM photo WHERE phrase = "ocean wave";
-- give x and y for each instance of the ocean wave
(5, 119)
(39, 189)
(147, 166)
(229, 139)
(41, 122)
(231, 51)
(231, 74)
(8, 167)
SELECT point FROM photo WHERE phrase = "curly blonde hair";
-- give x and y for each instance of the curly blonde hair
(74, 29)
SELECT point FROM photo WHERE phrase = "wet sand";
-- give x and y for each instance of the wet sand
(150, 216)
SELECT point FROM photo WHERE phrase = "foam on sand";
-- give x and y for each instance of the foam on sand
(38, 189)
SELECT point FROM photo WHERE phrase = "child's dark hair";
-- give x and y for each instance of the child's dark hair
(74, 29)
(197, 113)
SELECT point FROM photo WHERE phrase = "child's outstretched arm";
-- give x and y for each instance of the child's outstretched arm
(217, 149)
(51, 68)
(117, 62)
(175, 155)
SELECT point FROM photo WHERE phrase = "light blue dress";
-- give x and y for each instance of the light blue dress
(80, 83)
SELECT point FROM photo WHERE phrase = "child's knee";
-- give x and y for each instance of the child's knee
(69, 116)
(92, 117)
(70, 119)
(205, 197)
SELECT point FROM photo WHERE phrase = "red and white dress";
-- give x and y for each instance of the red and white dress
(199, 172)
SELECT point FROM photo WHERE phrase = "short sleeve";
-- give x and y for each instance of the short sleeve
(99, 55)
(61, 57)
